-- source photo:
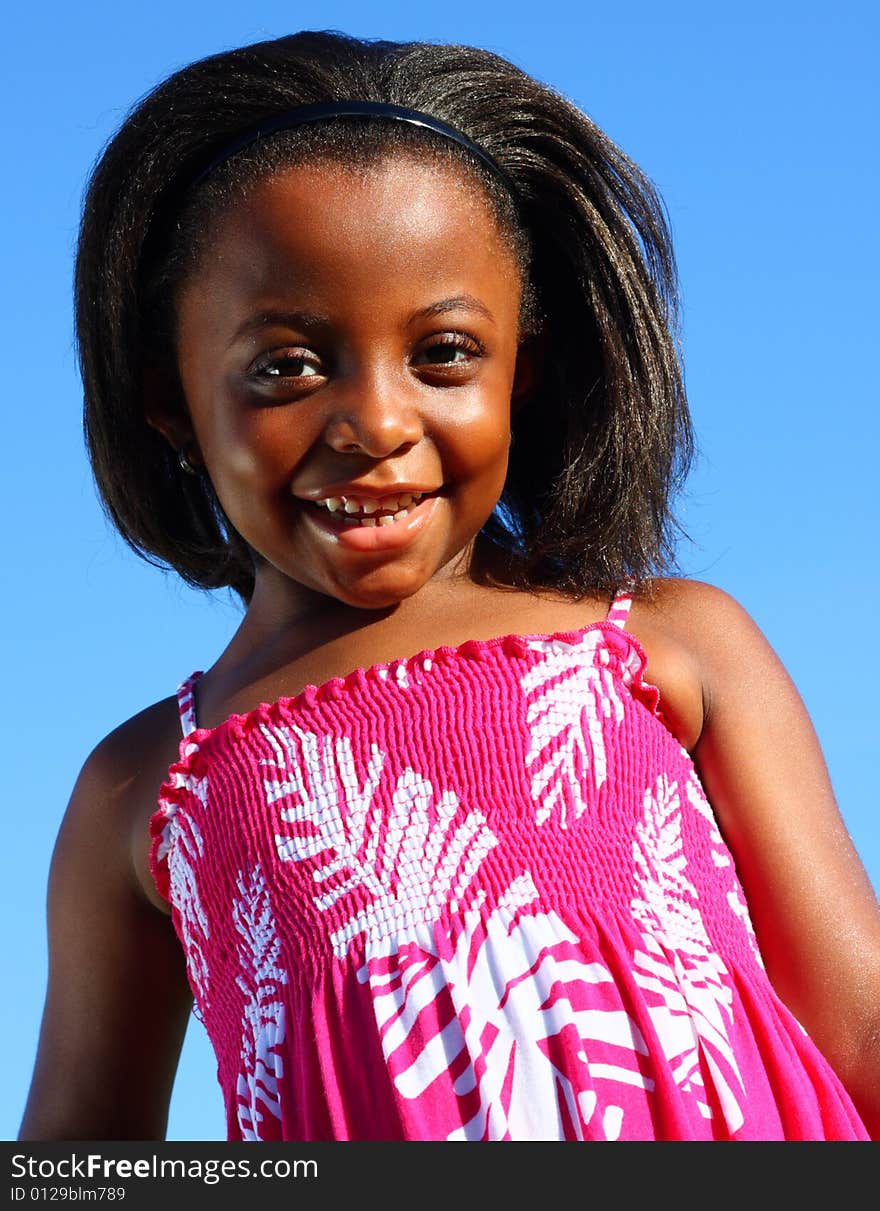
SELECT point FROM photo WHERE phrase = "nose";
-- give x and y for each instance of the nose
(375, 418)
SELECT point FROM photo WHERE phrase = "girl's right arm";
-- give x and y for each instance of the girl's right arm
(117, 999)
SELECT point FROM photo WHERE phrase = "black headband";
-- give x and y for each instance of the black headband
(290, 118)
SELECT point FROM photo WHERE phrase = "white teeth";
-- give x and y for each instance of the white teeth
(359, 510)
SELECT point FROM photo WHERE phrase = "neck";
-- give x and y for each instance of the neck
(285, 619)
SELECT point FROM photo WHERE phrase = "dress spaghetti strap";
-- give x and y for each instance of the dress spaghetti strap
(186, 704)
(619, 610)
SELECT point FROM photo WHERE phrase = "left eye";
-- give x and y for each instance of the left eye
(451, 349)
(291, 364)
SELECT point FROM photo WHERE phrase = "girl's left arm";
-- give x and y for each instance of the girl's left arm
(815, 912)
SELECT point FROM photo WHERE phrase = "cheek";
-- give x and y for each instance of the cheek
(246, 447)
(477, 433)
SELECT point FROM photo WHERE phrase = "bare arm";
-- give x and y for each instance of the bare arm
(117, 999)
(815, 912)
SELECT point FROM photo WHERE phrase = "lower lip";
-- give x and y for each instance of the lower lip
(375, 538)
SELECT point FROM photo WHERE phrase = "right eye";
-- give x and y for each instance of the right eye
(286, 364)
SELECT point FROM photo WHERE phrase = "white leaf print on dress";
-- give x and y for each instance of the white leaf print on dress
(678, 965)
(567, 694)
(498, 1004)
(412, 865)
(499, 996)
(182, 844)
(721, 858)
(260, 980)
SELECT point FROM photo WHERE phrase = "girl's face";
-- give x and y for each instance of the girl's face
(348, 348)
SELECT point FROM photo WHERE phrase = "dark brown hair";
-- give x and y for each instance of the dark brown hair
(605, 441)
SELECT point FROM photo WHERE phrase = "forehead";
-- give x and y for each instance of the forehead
(331, 225)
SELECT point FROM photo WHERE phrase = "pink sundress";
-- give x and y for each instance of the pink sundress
(476, 894)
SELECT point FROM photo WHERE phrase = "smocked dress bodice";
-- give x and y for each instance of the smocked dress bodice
(476, 894)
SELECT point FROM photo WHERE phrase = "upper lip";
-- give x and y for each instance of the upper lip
(365, 491)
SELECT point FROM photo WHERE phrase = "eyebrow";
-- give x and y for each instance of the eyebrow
(458, 302)
(310, 321)
(305, 320)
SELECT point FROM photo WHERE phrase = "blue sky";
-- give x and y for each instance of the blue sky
(759, 129)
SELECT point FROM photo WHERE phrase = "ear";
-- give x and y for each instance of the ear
(529, 360)
(165, 410)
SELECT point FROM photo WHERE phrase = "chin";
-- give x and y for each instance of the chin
(373, 597)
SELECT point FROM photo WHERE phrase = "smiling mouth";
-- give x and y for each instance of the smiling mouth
(368, 512)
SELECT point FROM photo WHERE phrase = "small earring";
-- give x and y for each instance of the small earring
(184, 463)
(512, 440)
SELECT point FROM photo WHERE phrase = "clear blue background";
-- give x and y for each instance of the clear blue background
(758, 124)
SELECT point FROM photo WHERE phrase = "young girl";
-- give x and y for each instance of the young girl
(484, 826)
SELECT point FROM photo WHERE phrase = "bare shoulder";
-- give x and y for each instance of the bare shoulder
(692, 609)
(711, 634)
(117, 789)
